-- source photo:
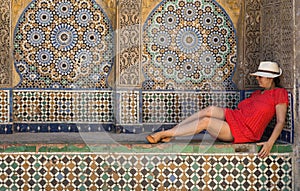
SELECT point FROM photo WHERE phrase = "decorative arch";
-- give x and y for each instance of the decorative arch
(61, 44)
(189, 45)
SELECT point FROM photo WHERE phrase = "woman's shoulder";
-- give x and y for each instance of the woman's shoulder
(281, 95)
(281, 90)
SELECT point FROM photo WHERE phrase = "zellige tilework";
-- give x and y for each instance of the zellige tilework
(4, 106)
(63, 106)
(144, 172)
(189, 45)
(173, 107)
(63, 44)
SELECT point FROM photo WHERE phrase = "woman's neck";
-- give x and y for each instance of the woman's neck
(272, 86)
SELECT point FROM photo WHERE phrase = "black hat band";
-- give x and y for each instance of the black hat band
(271, 72)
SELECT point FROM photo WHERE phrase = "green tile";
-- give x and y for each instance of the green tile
(120, 149)
(279, 148)
(220, 149)
(12, 149)
(218, 178)
(73, 148)
(154, 148)
(57, 149)
(285, 149)
(30, 149)
(183, 148)
(218, 167)
(274, 149)
(201, 148)
(2, 166)
(100, 148)
(43, 149)
(229, 166)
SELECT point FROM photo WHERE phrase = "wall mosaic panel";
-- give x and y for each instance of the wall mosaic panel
(5, 106)
(63, 44)
(144, 172)
(189, 45)
(128, 107)
(48, 110)
(173, 107)
(54, 42)
(5, 68)
(5, 112)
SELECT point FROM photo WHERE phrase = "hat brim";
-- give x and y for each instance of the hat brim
(266, 74)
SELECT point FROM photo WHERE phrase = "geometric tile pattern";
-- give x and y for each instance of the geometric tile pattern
(136, 111)
(63, 44)
(5, 66)
(63, 106)
(173, 107)
(70, 45)
(129, 107)
(189, 45)
(4, 106)
(144, 172)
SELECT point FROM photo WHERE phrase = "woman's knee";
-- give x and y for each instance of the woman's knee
(209, 110)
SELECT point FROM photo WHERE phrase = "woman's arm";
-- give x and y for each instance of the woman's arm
(281, 110)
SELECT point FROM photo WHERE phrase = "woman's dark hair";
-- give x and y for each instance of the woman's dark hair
(277, 82)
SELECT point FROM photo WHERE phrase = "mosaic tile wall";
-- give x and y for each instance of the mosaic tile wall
(189, 45)
(79, 106)
(139, 111)
(144, 172)
(5, 112)
(63, 44)
(64, 56)
(173, 107)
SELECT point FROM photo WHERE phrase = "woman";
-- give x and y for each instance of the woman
(244, 124)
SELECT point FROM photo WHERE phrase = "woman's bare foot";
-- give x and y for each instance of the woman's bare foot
(166, 139)
(155, 138)
(152, 139)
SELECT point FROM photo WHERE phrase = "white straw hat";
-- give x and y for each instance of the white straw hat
(268, 69)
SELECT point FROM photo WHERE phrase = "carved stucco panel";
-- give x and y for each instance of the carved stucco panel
(277, 37)
(129, 42)
(5, 69)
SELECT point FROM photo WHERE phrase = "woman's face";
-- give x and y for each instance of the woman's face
(264, 82)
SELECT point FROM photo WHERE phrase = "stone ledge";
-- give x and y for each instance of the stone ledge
(123, 143)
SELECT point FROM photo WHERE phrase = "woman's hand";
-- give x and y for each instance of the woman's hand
(265, 150)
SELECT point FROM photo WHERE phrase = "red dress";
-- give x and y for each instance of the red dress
(248, 122)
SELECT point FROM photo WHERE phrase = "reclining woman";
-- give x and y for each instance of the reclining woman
(244, 124)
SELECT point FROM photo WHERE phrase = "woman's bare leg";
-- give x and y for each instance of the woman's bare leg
(216, 127)
(212, 111)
